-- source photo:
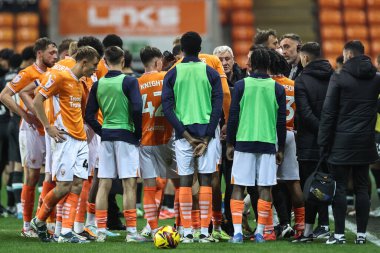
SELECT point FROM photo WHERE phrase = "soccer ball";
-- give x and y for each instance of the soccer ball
(166, 237)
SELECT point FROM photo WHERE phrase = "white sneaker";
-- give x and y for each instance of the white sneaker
(29, 233)
(101, 236)
(375, 213)
(146, 232)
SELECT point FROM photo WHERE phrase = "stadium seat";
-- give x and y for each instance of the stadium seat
(242, 33)
(223, 17)
(6, 45)
(21, 45)
(28, 19)
(242, 4)
(329, 4)
(356, 32)
(375, 48)
(367, 47)
(241, 47)
(373, 3)
(224, 5)
(354, 3)
(6, 34)
(373, 16)
(241, 60)
(332, 32)
(44, 6)
(241, 17)
(334, 47)
(374, 32)
(354, 17)
(27, 34)
(6, 19)
(330, 17)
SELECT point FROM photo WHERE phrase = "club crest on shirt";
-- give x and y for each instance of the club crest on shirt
(16, 79)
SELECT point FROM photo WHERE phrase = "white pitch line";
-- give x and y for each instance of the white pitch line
(352, 227)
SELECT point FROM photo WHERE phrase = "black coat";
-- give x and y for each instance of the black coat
(310, 92)
(347, 126)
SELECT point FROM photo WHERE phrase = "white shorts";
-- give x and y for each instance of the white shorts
(93, 141)
(48, 155)
(158, 161)
(289, 169)
(186, 162)
(22, 145)
(250, 169)
(118, 159)
(69, 159)
(35, 149)
(218, 145)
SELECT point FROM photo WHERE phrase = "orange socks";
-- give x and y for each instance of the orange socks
(299, 214)
(82, 204)
(47, 206)
(205, 200)
(176, 209)
(186, 204)
(101, 219)
(46, 188)
(237, 208)
(217, 217)
(196, 219)
(69, 212)
(263, 209)
(161, 183)
(27, 198)
(150, 207)
(131, 220)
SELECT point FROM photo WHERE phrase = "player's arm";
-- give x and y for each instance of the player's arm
(26, 95)
(38, 103)
(281, 121)
(233, 120)
(50, 87)
(216, 102)
(92, 108)
(132, 91)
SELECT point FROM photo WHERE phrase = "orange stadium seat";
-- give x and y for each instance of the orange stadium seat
(366, 45)
(374, 32)
(241, 60)
(6, 34)
(356, 32)
(241, 47)
(332, 47)
(375, 48)
(242, 4)
(224, 4)
(353, 3)
(6, 45)
(373, 3)
(243, 33)
(223, 17)
(27, 19)
(329, 4)
(6, 19)
(332, 32)
(44, 6)
(241, 17)
(21, 45)
(330, 17)
(27, 34)
(354, 17)
(373, 16)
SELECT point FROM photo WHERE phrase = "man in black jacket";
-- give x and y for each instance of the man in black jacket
(310, 92)
(347, 134)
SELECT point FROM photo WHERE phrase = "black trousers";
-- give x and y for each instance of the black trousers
(226, 170)
(311, 210)
(360, 176)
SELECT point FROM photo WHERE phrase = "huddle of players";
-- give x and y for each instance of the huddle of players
(67, 105)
